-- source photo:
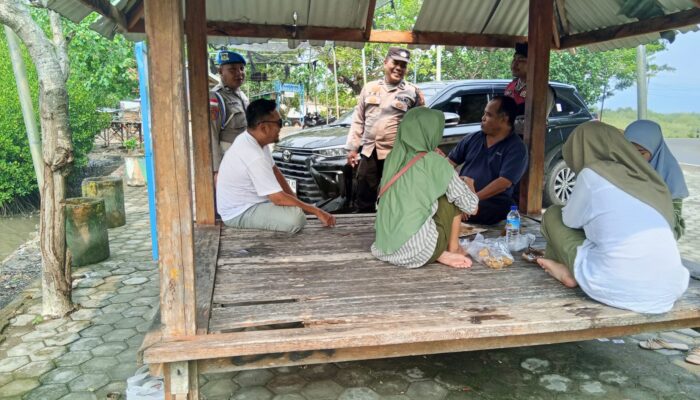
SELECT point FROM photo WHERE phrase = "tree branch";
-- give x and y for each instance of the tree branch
(59, 42)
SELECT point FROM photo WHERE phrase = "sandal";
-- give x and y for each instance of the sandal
(659, 344)
(694, 356)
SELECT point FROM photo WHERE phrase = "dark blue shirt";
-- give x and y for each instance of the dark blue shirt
(505, 159)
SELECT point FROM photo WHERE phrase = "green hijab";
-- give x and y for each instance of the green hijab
(406, 205)
(605, 150)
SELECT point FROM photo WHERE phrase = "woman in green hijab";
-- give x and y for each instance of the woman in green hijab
(419, 212)
(614, 238)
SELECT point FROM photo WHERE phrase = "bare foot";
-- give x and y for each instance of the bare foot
(454, 260)
(558, 271)
(458, 249)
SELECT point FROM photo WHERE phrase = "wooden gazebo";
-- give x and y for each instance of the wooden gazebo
(237, 300)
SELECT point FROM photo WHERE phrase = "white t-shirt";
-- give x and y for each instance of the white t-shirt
(629, 259)
(245, 177)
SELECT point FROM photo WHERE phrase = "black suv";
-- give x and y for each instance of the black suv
(314, 160)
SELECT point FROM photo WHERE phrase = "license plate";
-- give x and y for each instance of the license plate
(292, 184)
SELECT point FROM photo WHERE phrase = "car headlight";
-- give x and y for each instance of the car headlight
(332, 152)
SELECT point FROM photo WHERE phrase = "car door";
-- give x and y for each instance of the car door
(467, 102)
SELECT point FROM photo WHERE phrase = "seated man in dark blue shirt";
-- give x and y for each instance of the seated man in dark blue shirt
(495, 158)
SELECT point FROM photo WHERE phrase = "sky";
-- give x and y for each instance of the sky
(669, 92)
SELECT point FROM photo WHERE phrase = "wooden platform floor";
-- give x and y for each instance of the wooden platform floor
(320, 296)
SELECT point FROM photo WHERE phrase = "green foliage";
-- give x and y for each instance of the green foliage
(17, 179)
(676, 125)
(102, 72)
(131, 144)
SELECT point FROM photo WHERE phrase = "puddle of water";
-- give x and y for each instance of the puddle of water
(15, 231)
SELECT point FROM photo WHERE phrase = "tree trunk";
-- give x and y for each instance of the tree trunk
(57, 154)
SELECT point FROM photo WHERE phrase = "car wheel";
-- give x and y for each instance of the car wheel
(559, 184)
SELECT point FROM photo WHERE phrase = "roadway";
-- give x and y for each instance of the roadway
(686, 151)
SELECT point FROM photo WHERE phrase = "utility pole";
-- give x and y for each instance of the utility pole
(25, 100)
(364, 67)
(438, 73)
(335, 79)
(641, 82)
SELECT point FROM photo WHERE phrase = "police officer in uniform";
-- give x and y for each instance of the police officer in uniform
(227, 104)
(380, 107)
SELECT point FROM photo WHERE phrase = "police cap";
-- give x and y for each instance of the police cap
(399, 54)
(229, 57)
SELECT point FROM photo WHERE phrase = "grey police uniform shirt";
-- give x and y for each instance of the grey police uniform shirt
(226, 126)
(380, 108)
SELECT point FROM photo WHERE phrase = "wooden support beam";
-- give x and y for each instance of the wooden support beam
(228, 364)
(392, 336)
(539, 40)
(198, 73)
(221, 28)
(134, 18)
(650, 25)
(169, 124)
(564, 20)
(555, 33)
(107, 10)
(370, 17)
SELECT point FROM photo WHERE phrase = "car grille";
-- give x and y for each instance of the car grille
(296, 169)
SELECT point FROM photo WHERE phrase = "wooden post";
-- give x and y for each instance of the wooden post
(539, 42)
(196, 30)
(165, 33)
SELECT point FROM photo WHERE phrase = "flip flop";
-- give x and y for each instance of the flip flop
(694, 356)
(658, 344)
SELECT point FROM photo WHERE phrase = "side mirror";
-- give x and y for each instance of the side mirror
(451, 119)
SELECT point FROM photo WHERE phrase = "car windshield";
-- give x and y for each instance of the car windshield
(345, 119)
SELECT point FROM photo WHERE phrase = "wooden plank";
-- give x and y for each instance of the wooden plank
(134, 17)
(206, 252)
(172, 166)
(650, 25)
(370, 18)
(107, 10)
(563, 18)
(539, 39)
(153, 336)
(198, 73)
(228, 364)
(524, 322)
(225, 28)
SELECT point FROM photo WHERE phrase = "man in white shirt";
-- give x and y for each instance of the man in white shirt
(251, 192)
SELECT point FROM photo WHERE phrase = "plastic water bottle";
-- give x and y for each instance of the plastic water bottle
(512, 226)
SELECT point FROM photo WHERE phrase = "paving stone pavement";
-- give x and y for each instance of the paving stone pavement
(89, 354)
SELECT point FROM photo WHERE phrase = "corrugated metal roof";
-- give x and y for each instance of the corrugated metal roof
(327, 13)
(502, 17)
(510, 17)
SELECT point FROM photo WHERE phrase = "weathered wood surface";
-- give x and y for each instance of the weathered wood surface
(169, 126)
(206, 245)
(198, 68)
(320, 296)
(539, 41)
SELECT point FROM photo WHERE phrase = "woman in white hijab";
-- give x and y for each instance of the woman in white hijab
(647, 137)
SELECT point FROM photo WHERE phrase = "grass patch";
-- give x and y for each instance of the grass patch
(675, 125)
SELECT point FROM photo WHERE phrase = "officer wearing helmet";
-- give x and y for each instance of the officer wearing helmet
(227, 105)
